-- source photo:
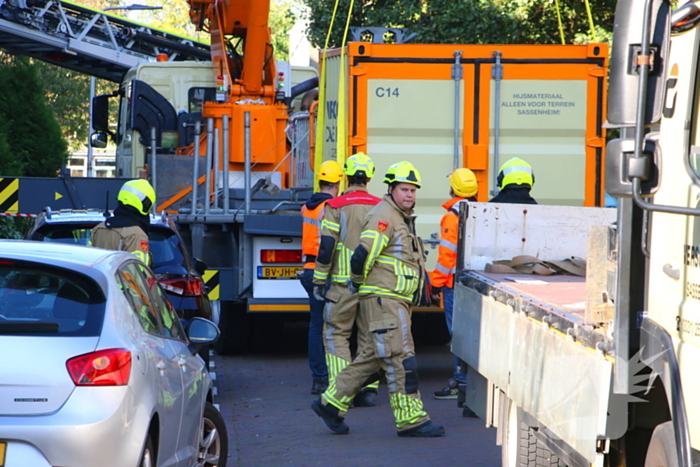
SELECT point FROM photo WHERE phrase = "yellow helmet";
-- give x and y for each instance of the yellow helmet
(463, 183)
(359, 165)
(331, 172)
(403, 172)
(138, 194)
(515, 171)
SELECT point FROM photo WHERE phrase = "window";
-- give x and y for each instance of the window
(198, 96)
(40, 300)
(136, 292)
(171, 322)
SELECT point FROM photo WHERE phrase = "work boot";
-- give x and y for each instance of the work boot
(329, 414)
(446, 393)
(365, 398)
(424, 430)
(319, 387)
(468, 413)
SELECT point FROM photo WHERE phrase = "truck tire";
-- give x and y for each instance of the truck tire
(662, 447)
(520, 445)
(234, 324)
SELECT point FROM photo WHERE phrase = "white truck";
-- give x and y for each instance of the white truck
(600, 371)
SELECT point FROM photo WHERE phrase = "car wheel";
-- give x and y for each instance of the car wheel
(213, 442)
(148, 457)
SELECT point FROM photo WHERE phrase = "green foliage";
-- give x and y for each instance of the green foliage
(29, 129)
(468, 21)
(282, 18)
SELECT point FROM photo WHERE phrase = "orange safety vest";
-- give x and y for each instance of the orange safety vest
(444, 273)
(311, 233)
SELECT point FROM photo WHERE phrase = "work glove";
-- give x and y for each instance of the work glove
(318, 293)
(353, 287)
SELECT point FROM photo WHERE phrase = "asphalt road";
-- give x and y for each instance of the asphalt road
(265, 399)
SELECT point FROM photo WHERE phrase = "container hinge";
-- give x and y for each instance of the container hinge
(595, 142)
(598, 72)
(357, 71)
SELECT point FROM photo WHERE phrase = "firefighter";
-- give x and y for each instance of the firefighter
(463, 186)
(386, 271)
(340, 235)
(329, 176)
(127, 229)
(515, 180)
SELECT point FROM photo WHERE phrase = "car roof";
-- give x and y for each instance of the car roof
(90, 216)
(57, 254)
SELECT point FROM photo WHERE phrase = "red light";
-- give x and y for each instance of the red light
(189, 287)
(111, 367)
(280, 256)
(7, 262)
(220, 77)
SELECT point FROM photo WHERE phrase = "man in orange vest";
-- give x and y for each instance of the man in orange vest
(329, 176)
(463, 186)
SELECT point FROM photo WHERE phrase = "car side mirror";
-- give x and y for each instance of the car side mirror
(98, 140)
(202, 332)
(200, 266)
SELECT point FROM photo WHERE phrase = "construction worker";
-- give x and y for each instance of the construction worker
(515, 180)
(329, 176)
(340, 235)
(386, 270)
(463, 186)
(127, 229)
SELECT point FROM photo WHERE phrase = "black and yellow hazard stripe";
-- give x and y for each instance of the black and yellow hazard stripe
(9, 195)
(211, 280)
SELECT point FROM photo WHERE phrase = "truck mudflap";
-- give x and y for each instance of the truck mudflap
(539, 365)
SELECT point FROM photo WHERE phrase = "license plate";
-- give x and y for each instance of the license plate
(267, 272)
(3, 448)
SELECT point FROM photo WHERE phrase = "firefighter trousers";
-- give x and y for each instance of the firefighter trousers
(390, 348)
(339, 315)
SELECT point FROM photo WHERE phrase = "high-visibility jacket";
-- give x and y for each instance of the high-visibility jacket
(311, 229)
(132, 239)
(389, 259)
(340, 233)
(443, 274)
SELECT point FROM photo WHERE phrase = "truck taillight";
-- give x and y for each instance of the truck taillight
(280, 256)
(188, 287)
(111, 367)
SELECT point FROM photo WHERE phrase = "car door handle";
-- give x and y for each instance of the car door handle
(161, 367)
(183, 364)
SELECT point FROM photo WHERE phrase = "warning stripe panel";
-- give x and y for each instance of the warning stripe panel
(9, 195)
(211, 280)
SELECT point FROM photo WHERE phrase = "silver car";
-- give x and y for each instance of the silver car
(96, 368)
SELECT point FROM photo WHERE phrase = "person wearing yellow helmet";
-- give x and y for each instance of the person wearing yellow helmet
(127, 229)
(463, 187)
(340, 235)
(386, 271)
(329, 176)
(515, 180)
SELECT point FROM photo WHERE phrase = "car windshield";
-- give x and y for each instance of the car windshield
(73, 234)
(37, 300)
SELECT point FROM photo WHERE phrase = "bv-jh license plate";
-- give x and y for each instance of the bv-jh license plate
(266, 272)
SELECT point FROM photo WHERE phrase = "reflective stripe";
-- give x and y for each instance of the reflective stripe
(335, 364)
(517, 168)
(342, 404)
(322, 276)
(314, 222)
(326, 224)
(138, 193)
(343, 226)
(405, 331)
(368, 289)
(443, 269)
(449, 245)
(407, 410)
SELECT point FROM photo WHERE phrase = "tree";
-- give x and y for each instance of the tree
(283, 14)
(33, 137)
(468, 21)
